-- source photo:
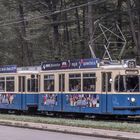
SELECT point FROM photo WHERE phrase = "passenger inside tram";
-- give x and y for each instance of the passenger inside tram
(50, 86)
(76, 87)
(129, 83)
(1, 87)
(132, 83)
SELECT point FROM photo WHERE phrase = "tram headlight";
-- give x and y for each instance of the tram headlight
(133, 100)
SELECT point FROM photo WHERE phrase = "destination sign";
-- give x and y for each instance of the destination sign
(8, 69)
(70, 64)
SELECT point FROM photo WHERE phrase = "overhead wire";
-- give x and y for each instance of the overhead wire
(53, 13)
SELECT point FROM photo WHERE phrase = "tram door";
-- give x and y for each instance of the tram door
(61, 83)
(21, 88)
(106, 89)
(21, 83)
(61, 88)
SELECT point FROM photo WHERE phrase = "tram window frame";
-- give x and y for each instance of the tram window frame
(77, 86)
(22, 83)
(2, 84)
(61, 82)
(32, 84)
(109, 77)
(10, 83)
(124, 88)
(86, 78)
(49, 82)
(103, 82)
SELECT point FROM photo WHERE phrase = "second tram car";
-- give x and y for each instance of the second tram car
(87, 86)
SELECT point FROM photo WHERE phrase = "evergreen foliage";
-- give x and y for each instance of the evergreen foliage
(32, 31)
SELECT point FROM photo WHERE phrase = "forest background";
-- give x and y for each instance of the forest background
(33, 31)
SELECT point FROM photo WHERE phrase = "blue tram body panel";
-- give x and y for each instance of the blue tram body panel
(107, 104)
(10, 101)
(50, 102)
(81, 103)
(78, 103)
(18, 101)
(29, 100)
(120, 104)
(123, 104)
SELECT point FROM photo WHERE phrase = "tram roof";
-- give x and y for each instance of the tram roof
(30, 69)
(116, 67)
(124, 64)
(88, 64)
(71, 65)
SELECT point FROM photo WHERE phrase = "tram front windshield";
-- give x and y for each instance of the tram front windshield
(127, 83)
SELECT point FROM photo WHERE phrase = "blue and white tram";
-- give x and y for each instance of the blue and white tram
(19, 88)
(86, 86)
(70, 86)
(28, 86)
(121, 88)
(89, 86)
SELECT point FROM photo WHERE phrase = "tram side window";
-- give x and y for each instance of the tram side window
(129, 83)
(21, 83)
(89, 82)
(2, 84)
(32, 84)
(49, 82)
(74, 82)
(10, 84)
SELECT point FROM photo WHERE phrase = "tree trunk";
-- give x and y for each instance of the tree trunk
(128, 2)
(56, 40)
(66, 34)
(138, 16)
(26, 55)
(85, 50)
(91, 25)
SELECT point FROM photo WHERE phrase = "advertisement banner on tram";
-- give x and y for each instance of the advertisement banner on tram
(8, 69)
(70, 64)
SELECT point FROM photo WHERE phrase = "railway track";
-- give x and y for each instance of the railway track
(120, 119)
(123, 119)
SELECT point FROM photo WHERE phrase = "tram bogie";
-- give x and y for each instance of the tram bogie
(85, 86)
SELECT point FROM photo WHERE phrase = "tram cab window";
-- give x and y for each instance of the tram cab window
(74, 82)
(127, 83)
(2, 84)
(49, 82)
(89, 82)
